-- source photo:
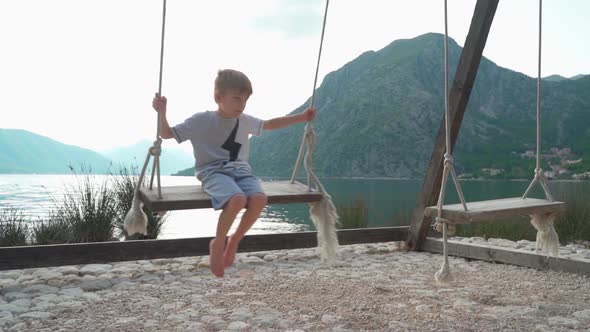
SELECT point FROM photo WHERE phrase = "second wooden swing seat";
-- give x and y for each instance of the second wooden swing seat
(495, 209)
(193, 197)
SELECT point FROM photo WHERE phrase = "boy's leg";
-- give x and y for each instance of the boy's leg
(256, 202)
(225, 194)
(226, 219)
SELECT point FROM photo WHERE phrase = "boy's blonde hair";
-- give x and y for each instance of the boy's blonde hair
(230, 79)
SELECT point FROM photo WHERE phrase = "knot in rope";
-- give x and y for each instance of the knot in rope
(442, 220)
(449, 160)
(538, 172)
(439, 224)
(156, 149)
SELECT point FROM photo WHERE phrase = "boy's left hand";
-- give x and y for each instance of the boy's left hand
(309, 114)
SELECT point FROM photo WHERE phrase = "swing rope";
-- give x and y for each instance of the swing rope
(323, 213)
(444, 275)
(136, 220)
(309, 135)
(539, 175)
(156, 149)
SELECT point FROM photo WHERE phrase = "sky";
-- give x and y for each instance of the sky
(84, 72)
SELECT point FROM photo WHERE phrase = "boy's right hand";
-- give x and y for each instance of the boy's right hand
(159, 103)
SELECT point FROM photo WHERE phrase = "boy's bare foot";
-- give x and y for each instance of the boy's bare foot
(215, 259)
(229, 255)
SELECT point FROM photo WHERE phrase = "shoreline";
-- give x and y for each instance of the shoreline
(322, 177)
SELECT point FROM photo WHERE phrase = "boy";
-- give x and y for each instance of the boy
(220, 145)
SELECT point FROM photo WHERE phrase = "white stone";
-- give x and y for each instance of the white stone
(253, 260)
(67, 270)
(329, 319)
(195, 327)
(73, 322)
(543, 328)
(6, 321)
(582, 315)
(76, 292)
(6, 314)
(18, 327)
(48, 275)
(10, 275)
(177, 317)
(95, 269)
(45, 298)
(465, 305)
(36, 315)
(43, 289)
(395, 325)
(265, 319)
(423, 308)
(563, 321)
(22, 303)
(42, 306)
(124, 285)
(218, 324)
(15, 309)
(4, 283)
(94, 285)
(40, 271)
(70, 304)
(237, 326)
(270, 257)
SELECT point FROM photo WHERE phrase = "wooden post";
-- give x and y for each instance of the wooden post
(481, 22)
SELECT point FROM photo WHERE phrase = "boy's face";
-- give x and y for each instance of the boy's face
(231, 103)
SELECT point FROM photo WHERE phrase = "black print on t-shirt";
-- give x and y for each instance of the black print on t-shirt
(231, 145)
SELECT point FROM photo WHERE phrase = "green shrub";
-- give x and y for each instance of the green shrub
(51, 231)
(353, 215)
(574, 223)
(511, 229)
(89, 209)
(13, 228)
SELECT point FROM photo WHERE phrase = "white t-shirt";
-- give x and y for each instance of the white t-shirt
(216, 140)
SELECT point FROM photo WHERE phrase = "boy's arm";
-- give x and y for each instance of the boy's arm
(285, 121)
(159, 104)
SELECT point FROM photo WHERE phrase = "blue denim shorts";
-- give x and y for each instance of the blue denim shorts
(224, 182)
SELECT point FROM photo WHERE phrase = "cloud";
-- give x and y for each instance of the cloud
(292, 18)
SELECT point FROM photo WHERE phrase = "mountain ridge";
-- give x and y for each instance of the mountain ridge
(26, 152)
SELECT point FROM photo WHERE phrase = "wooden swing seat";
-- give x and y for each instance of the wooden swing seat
(495, 209)
(193, 197)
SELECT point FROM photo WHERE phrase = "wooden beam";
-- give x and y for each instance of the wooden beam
(507, 256)
(106, 252)
(481, 22)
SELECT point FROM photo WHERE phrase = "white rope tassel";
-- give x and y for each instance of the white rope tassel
(323, 214)
(444, 276)
(135, 219)
(547, 238)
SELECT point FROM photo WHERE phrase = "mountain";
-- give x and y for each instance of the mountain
(559, 78)
(378, 116)
(171, 159)
(25, 152)
(555, 78)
